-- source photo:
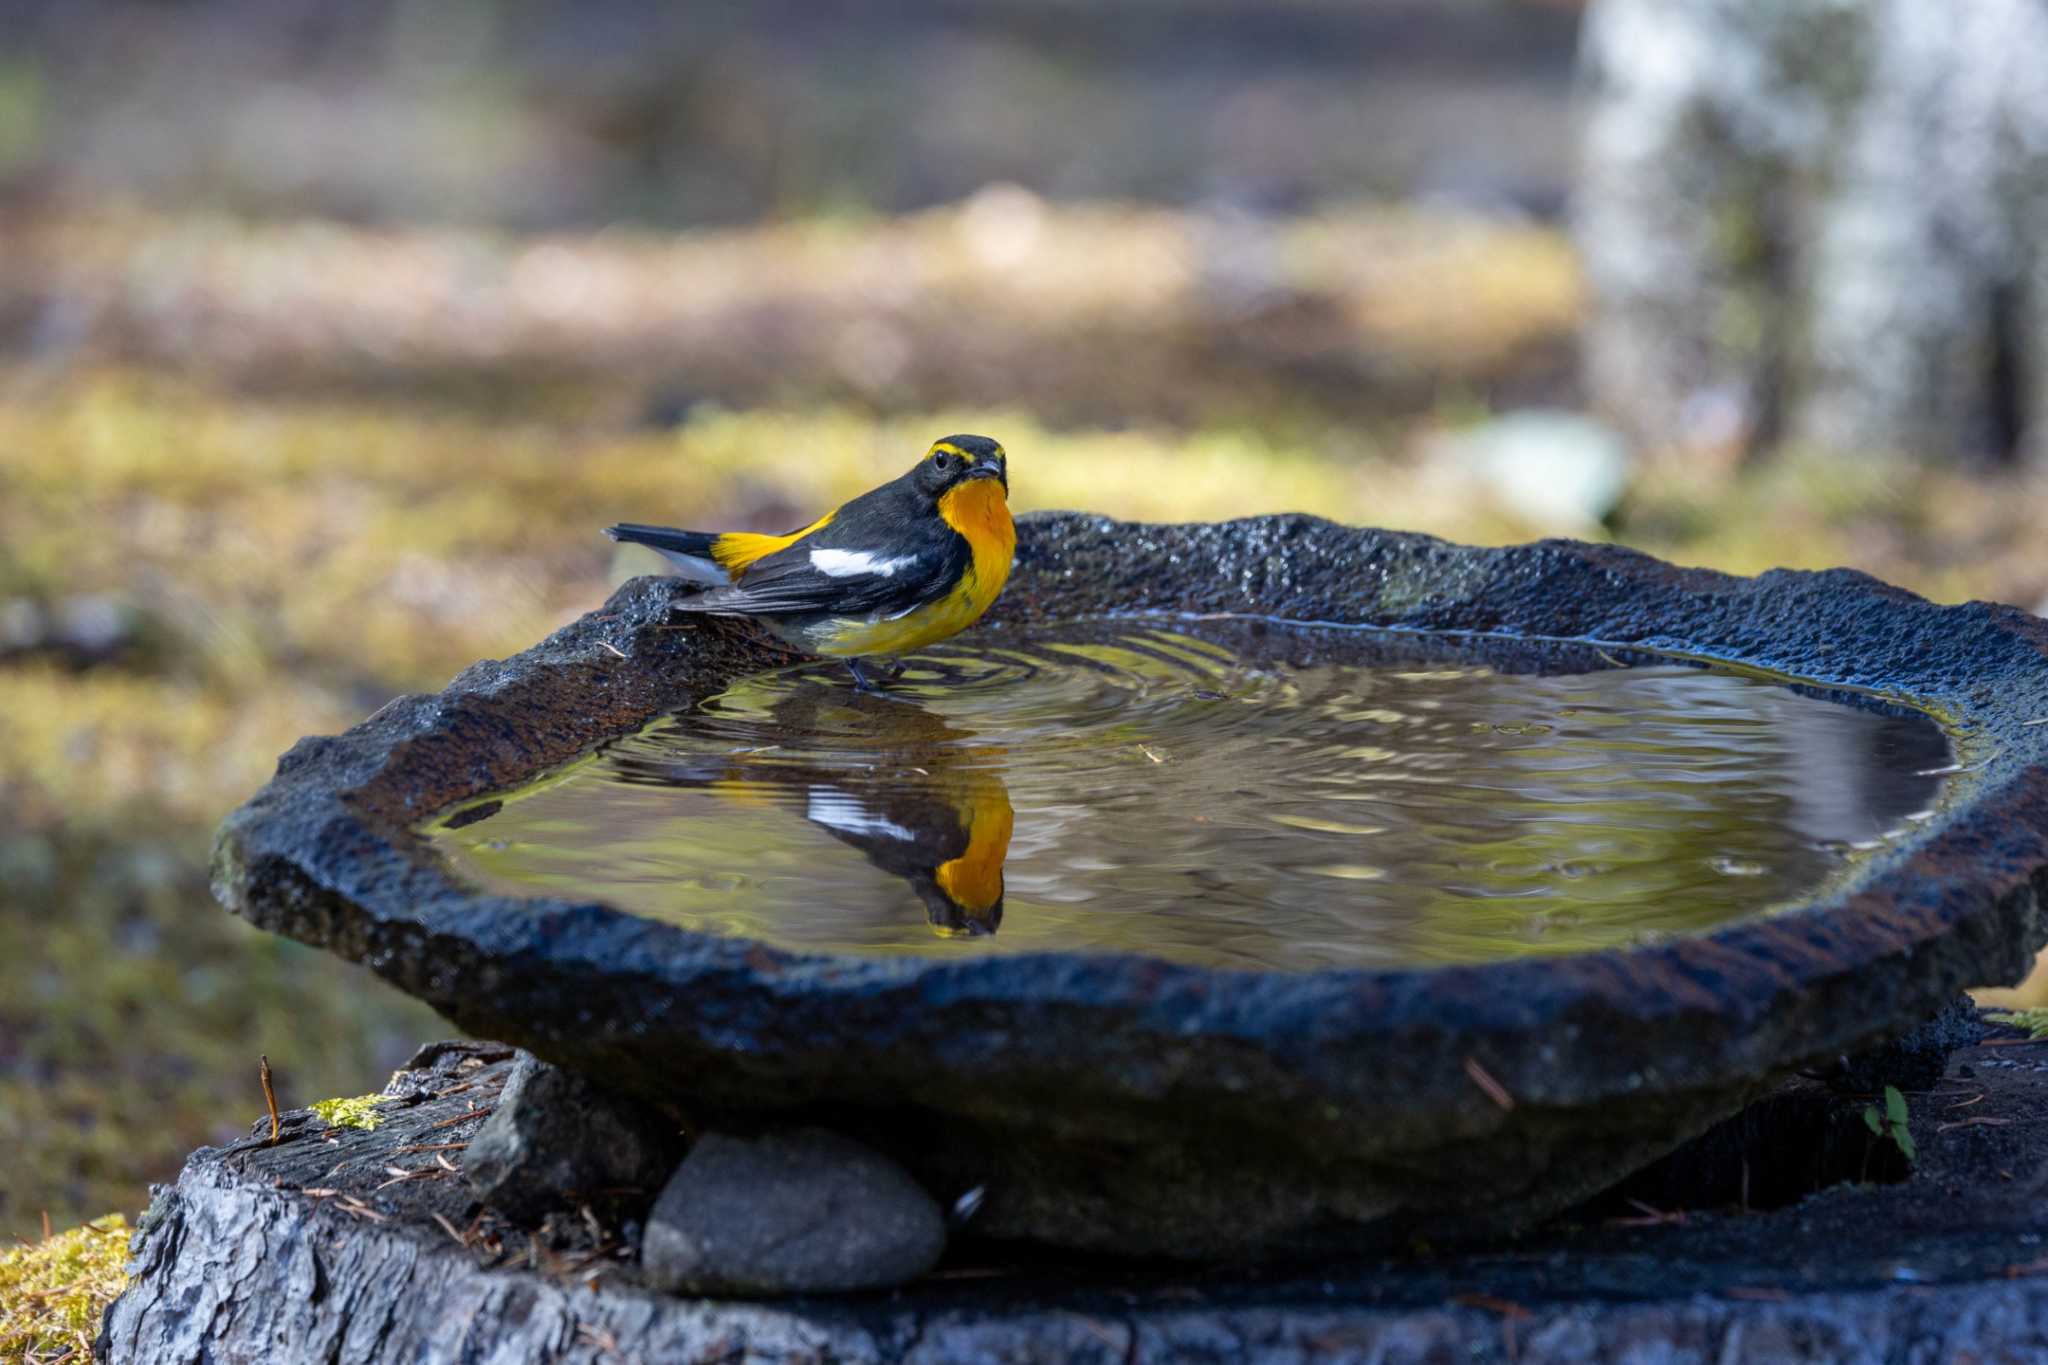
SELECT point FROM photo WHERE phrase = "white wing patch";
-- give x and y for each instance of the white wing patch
(697, 569)
(856, 563)
(837, 810)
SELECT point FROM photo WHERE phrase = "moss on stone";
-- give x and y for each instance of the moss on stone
(360, 1112)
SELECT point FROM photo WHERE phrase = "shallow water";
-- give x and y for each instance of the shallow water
(1137, 789)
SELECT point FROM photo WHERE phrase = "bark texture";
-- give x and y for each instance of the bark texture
(313, 1250)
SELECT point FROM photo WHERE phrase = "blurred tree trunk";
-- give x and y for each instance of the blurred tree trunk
(1819, 221)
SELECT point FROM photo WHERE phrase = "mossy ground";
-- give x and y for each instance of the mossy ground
(53, 1291)
(2033, 1022)
(316, 466)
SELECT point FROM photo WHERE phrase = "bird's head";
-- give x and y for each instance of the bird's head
(954, 460)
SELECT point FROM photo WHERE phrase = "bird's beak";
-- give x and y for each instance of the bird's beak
(988, 469)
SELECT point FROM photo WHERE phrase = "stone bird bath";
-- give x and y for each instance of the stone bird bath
(1123, 1104)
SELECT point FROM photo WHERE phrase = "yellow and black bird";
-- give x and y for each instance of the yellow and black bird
(900, 567)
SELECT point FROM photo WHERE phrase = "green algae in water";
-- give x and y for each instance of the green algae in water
(1132, 789)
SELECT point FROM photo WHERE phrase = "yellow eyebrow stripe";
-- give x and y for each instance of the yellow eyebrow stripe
(950, 449)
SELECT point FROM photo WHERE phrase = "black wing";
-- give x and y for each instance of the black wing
(812, 578)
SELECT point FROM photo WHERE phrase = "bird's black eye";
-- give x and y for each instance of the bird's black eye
(942, 461)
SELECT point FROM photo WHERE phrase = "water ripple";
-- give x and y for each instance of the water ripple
(1129, 788)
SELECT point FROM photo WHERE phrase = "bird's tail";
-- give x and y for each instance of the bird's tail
(689, 551)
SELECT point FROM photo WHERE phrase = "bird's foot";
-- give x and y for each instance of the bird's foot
(875, 677)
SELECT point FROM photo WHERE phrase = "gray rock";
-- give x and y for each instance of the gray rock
(1912, 1061)
(804, 1211)
(80, 631)
(557, 1141)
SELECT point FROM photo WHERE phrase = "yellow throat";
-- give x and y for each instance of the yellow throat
(979, 511)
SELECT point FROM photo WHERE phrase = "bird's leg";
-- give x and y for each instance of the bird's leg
(861, 681)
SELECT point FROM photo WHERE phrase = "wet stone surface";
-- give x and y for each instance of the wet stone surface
(557, 1142)
(1915, 1060)
(315, 1242)
(1243, 1113)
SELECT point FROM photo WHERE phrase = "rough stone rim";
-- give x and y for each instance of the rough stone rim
(1371, 1057)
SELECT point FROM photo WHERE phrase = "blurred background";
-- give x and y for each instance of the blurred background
(330, 333)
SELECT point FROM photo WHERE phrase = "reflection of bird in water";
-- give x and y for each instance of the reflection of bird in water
(885, 776)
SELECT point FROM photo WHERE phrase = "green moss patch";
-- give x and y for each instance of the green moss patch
(2033, 1021)
(360, 1112)
(53, 1292)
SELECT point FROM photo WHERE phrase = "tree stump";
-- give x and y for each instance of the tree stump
(1820, 222)
(367, 1246)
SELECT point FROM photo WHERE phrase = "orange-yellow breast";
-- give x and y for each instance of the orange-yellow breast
(978, 510)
